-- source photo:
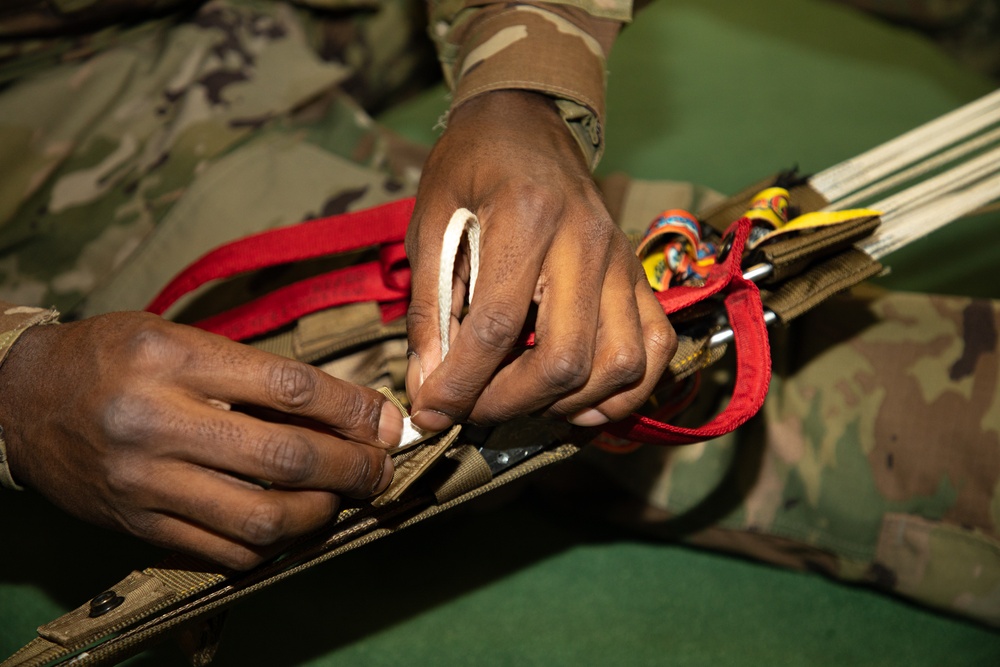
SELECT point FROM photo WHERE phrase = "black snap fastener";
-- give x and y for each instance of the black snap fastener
(104, 603)
(727, 245)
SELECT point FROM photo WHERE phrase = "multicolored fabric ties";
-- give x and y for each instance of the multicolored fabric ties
(673, 252)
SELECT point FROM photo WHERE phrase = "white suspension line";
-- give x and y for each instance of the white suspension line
(957, 177)
(934, 215)
(917, 170)
(860, 171)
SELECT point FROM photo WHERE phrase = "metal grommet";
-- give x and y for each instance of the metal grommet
(727, 245)
(104, 603)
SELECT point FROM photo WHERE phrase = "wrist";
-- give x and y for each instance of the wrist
(520, 118)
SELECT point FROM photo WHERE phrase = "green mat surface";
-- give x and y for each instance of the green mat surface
(720, 92)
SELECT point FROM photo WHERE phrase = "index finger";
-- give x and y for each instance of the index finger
(243, 375)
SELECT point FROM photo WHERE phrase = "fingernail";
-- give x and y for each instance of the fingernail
(432, 420)
(386, 478)
(414, 374)
(390, 425)
(588, 418)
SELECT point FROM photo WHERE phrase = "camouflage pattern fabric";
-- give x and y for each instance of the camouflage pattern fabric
(98, 152)
(875, 459)
(113, 144)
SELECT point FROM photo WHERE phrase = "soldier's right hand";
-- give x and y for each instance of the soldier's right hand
(155, 428)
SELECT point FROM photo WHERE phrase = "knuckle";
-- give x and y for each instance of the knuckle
(291, 385)
(358, 411)
(420, 315)
(264, 523)
(598, 230)
(495, 329)
(287, 458)
(121, 482)
(129, 418)
(627, 364)
(149, 344)
(567, 368)
(455, 396)
(532, 200)
(661, 343)
(147, 526)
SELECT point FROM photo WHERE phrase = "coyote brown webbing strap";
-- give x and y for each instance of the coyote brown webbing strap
(182, 589)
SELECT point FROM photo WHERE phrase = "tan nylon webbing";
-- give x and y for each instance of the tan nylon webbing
(472, 472)
(146, 592)
(136, 640)
(791, 256)
(180, 577)
(821, 282)
(410, 470)
(692, 355)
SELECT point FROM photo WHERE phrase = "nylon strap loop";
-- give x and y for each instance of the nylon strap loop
(387, 283)
(753, 354)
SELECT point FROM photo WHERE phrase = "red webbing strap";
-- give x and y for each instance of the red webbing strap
(308, 240)
(386, 281)
(353, 284)
(753, 354)
(721, 275)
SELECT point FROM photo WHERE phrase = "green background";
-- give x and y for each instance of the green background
(720, 92)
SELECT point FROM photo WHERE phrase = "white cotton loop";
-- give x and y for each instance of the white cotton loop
(463, 222)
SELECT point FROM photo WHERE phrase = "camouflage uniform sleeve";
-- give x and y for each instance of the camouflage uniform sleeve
(14, 321)
(556, 48)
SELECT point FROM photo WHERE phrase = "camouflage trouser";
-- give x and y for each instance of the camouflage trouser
(876, 458)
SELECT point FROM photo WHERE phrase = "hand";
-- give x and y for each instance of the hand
(136, 423)
(601, 338)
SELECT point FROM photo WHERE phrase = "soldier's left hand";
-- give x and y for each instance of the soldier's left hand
(601, 338)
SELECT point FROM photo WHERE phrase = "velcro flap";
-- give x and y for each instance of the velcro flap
(790, 256)
(807, 290)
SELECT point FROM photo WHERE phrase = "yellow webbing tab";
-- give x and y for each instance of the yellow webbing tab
(816, 219)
